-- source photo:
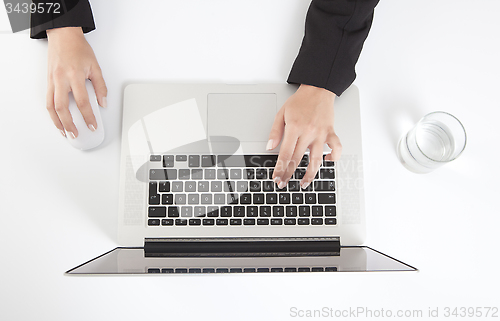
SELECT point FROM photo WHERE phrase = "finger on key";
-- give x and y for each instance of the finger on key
(315, 160)
(61, 101)
(52, 110)
(82, 102)
(300, 149)
(285, 155)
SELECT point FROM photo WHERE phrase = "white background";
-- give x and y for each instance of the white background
(58, 206)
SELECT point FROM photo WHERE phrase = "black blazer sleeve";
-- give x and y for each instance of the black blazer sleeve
(334, 35)
(77, 13)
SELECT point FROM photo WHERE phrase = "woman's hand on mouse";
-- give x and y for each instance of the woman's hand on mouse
(304, 121)
(71, 61)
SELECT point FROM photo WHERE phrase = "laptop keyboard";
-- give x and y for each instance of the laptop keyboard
(236, 190)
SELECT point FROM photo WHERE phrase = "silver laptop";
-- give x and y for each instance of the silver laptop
(197, 196)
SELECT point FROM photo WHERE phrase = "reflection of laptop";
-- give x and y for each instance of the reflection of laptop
(196, 194)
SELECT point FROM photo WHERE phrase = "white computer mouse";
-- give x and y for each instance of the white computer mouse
(86, 139)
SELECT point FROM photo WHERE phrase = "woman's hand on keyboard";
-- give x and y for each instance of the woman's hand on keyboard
(71, 61)
(304, 121)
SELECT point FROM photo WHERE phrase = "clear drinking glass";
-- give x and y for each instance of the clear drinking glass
(436, 139)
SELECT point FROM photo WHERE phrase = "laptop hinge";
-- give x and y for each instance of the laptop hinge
(246, 246)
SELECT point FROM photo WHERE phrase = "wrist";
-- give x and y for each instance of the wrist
(317, 91)
(66, 33)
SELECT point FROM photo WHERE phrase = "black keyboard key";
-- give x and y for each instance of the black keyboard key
(196, 173)
(317, 269)
(181, 270)
(290, 269)
(153, 188)
(284, 198)
(297, 198)
(252, 211)
(305, 161)
(208, 221)
(284, 189)
(299, 173)
(194, 221)
(262, 221)
(162, 174)
(229, 186)
(276, 221)
(153, 270)
(173, 211)
(291, 211)
(317, 221)
(245, 198)
(210, 174)
(304, 211)
(317, 210)
(154, 199)
(249, 173)
(239, 211)
(310, 198)
(184, 174)
(330, 221)
(195, 270)
(221, 221)
(330, 210)
(309, 188)
(327, 163)
(167, 270)
(330, 269)
(249, 221)
(247, 160)
(235, 270)
(235, 173)
(167, 222)
(254, 186)
(263, 270)
(242, 186)
(222, 173)
(249, 270)
(290, 221)
(208, 270)
(326, 198)
(324, 186)
(199, 211)
(258, 198)
(265, 211)
(157, 211)
(303, 221)
(304, 269)
(181, 158)
(226, 211)
(327, 173)
(164, 187)
(261, 173)
(222, 270)
(235, 221)
(278, 211)
(294, 186)
(232, 199)
(155, 158)
(154, 222)
(216, 186)
(168, 160)
(276, 269)
(268, 186)
(194, 161)
(181, 222)
(271, 198)
(208, 160)
(212, 211)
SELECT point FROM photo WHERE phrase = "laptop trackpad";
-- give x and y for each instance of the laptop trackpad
(246, 117)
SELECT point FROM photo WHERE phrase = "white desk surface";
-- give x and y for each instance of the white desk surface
(59, 205)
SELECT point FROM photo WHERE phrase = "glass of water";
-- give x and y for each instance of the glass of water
(436, 139)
